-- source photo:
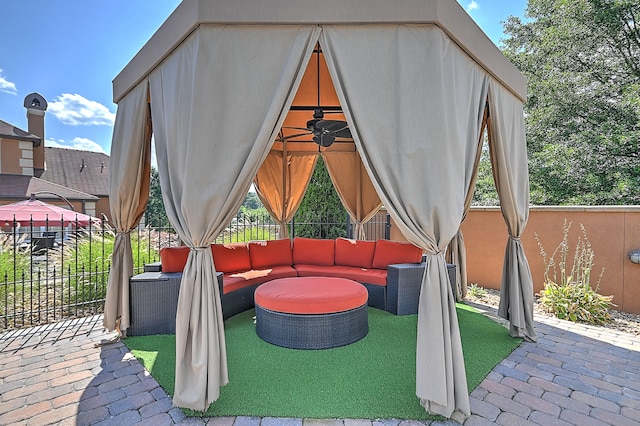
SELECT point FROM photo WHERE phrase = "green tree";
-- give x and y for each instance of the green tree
(252, 201)
(321, 204)
(485, 193)
(155, 214)
(582, 60)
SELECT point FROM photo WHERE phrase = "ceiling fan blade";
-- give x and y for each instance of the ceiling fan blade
(343, 133)
(285, 138)
(324, 139)
(336, 128)
(306, 129)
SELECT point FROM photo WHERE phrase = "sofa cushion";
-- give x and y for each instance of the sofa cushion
(355, 252)
(364, 275)
(393, 252)
(232, 257)
(266, 254)
(237, 280)
(371, 276)
(313, 251)
(173, 259)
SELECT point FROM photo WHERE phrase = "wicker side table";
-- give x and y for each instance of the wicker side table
(403, 286)
(153, 302)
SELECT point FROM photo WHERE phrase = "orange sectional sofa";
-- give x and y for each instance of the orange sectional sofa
(390, 270)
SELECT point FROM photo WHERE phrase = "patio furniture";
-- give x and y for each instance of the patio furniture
(311, 312)
(153, 303)
(391, 272)
(248, 265)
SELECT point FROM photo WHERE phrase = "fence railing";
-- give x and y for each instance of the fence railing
(52, 273)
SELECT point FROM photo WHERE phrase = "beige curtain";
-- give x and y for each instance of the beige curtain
(281, 182)
(415, 116)
(354, 188)
(509, 162)
(129, 191)
(456, 251)
(217, 102)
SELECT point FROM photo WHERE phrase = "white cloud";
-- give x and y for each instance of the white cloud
(471, 6)
(82, 144)
(7, 86)
(76, 110)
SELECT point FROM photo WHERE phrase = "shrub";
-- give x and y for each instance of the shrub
(475, 291)
(567, 293)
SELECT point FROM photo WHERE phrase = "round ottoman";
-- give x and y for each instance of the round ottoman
(311, 312)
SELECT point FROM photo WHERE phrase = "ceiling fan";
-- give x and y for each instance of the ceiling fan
(324, 131)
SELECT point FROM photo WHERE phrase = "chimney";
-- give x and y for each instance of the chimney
(36, 107)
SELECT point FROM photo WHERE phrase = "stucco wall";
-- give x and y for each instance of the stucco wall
(612, 231)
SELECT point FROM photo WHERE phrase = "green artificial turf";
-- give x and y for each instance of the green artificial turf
(372, 378)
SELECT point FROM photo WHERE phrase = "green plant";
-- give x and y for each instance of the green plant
(475, 291)
(567, 292)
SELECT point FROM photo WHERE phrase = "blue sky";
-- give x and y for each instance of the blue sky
(69, 51)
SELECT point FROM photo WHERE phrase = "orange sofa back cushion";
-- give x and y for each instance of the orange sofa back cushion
(392, 252)
(313, 251)
(265, 254)
(355, 253)
(173, 259)
(232, 257)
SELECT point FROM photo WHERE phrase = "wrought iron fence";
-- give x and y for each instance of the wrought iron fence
(52, 273)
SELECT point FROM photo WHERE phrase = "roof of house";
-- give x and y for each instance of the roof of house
(84, 171)
(21, 187)
(10, 131)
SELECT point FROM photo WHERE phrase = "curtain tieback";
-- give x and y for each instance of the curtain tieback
(514, 238)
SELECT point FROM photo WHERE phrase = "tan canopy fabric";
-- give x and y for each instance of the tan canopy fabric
(456, 251)
(354, 187)
(421, 163)
(219, 99)
(129, 191)
(281, 182)
(510, 171)
(210, 142)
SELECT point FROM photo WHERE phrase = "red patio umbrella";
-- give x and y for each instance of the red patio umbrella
(37, 213)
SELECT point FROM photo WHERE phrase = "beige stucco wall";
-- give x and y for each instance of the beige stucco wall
(612, 231)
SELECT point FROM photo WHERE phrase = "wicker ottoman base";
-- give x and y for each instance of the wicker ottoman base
(313, 331)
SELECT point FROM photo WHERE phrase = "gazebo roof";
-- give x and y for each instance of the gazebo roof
(446, 14)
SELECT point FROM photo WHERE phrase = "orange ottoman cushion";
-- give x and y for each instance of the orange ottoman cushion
(311, 295)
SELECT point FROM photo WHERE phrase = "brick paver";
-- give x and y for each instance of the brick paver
(574, 375)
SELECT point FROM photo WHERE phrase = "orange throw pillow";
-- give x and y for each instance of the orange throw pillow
(266, 254)
(233, 257)
(392, 252)
(356, 253)
(173, 259)
(313, 251)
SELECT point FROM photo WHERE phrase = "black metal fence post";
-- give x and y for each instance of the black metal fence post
(387, 228)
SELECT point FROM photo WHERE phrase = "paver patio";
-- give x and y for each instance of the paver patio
(574, 375)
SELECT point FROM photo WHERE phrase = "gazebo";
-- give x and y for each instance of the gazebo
(416, 82)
